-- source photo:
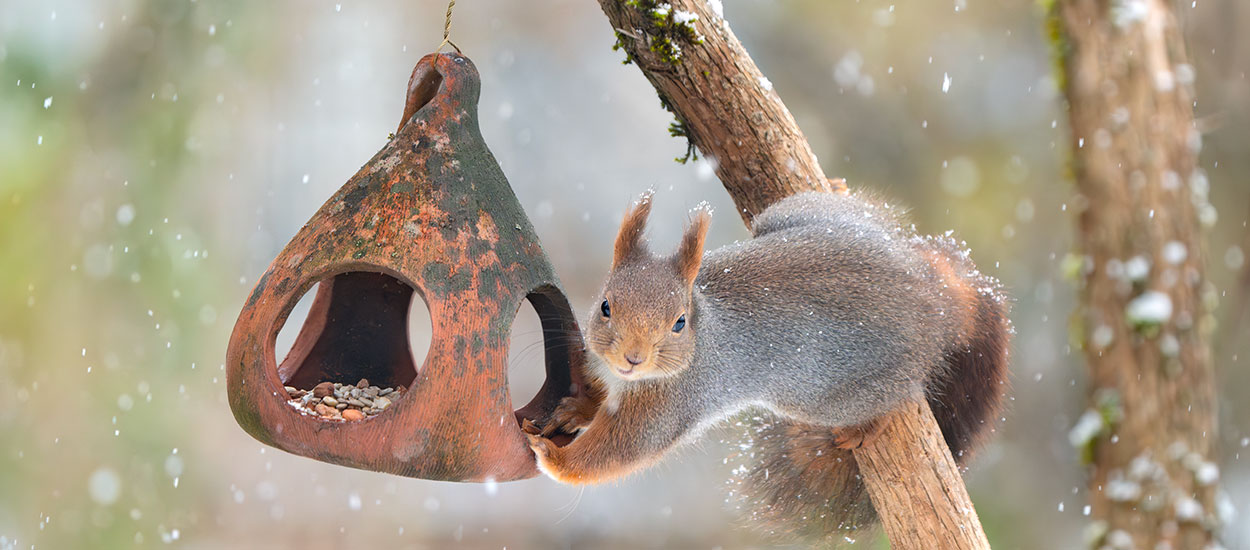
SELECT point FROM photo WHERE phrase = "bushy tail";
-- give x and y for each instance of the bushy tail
(798, 484)
(967, 398)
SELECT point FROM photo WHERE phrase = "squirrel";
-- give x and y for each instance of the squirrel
(831, 316)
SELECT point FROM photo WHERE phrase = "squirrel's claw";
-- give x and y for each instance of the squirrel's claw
(572, 416)
(544, 451)
(538, 444)
(847, 442)
(541, 446)
(854, 437)
(552, 460)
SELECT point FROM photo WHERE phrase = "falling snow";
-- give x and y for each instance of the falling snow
(123, 432)
(1150, 308)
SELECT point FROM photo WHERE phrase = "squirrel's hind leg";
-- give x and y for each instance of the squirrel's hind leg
(854, 437)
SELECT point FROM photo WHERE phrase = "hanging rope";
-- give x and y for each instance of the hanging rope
(447, 29)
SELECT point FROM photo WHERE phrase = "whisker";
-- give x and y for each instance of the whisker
(573, 506)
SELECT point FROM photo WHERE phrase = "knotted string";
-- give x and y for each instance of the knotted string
(447, 29)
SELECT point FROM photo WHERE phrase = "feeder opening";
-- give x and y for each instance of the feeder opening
(294, 322)
(548, 325)
(420, 330)
(356, 329)
(526, 351)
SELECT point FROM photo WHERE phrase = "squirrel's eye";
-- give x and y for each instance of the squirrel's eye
(680, 324)
(607, 311)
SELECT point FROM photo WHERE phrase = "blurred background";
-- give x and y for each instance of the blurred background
(156, 154)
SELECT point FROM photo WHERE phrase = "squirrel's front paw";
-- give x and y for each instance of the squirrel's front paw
(546, 454)
(572, 415)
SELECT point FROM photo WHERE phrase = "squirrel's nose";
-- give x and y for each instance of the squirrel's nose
(634, 359)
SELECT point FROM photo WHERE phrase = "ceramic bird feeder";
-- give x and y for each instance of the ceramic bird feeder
(429, 217)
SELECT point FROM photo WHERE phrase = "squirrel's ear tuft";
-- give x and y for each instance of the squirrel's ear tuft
(690, 252)
(629, 240)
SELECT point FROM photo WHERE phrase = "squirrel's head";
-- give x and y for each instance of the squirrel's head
(641, 326)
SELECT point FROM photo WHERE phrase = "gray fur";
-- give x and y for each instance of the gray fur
(835, 336)
(830, 317)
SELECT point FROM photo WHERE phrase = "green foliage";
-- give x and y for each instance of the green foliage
(664, 31)
(619, 45)
(1059, 46)
(678, 128)
(108, 297)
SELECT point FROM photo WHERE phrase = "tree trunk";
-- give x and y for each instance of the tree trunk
(1236, 317)
(726, 108)
(1150, 429)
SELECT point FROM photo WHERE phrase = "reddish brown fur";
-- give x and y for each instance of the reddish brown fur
(605, 451)
(637, 341)
(629, 240)
(957, 287)
(804, 485)
(967, 401)
(690, 252)
(610, 446)
(576, 411)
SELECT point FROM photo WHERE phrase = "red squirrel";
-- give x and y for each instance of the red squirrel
(831, 316)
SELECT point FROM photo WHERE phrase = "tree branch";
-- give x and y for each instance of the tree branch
(726, 107)
(723, 104)
(919, 481)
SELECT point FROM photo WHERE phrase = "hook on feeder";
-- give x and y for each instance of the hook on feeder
(429, 217)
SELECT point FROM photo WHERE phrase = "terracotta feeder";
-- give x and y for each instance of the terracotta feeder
(430, 216)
